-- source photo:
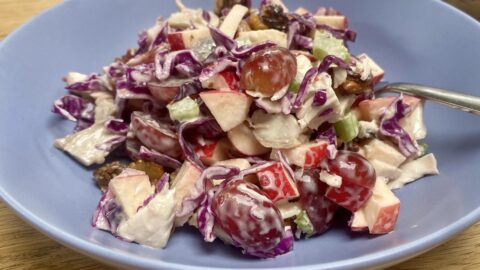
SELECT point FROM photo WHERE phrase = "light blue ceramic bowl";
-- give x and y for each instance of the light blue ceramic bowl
(425, 42)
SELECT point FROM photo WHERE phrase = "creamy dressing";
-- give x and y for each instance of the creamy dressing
(258, 36)
(332, 180)
(184, 185)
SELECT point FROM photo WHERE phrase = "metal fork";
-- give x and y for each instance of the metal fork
(464, 102)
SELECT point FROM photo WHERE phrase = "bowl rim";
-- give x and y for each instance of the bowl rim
(378, 259)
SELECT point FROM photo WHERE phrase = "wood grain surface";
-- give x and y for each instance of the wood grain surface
(22, 247)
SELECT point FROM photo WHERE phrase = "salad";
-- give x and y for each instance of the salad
(253, 125)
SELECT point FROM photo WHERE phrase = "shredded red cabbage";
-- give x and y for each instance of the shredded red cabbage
(94, 82)
(117, 126)
(320, 97)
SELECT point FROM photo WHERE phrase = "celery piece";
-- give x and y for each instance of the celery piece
(347, 128)
(184, 109)
(304, 224)
(325, 43)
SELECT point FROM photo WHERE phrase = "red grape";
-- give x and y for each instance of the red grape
(268, 71)
(320, 210)
(358, 179)
(244, 212)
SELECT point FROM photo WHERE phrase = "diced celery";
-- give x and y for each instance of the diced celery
(347, 128)
(303, 65)
(325, 44)
(304, 224)
(423, 148)
(184, 109)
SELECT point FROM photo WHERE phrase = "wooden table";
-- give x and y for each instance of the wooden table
(22, 247)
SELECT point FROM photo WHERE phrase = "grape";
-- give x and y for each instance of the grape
(251, 220)
(268, 71)
(358, 179)
(320, 210)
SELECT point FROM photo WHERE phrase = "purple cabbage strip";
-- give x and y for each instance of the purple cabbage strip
(108, 213)
(246, 50)
(306, 21)
(284, 246)
(284, 161)
(187, 89)
(319, 98)
(303, 42)
(151, 155)
(93, 83)
(70, 107)
(158, 188)
(206, 16)
(117, 126)
(146, 43)
(327, 132)
(287, 102)
(389, 127)
(293, 30)
(218, 52)
(187, 148)
(162, 35)
(172, 59)
(311, 73)
(116, 70)
(111, 144)
(205, 218)
(221, 39)
(221, 65)
(142, 43)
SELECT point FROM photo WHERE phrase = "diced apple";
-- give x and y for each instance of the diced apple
(231, 22)
(229, 108)
(213, 151)
(383, 169)
(384, 151)
(276, 182)
(414, 124)
(244, 141)
(336, 21)
(357, 222)
(377, 71)
(131, 190)
(372, 109)
(307, 155)
(258, 36)
(154, 134)
(184, 185)
(223, 80)
(187, 38)
(381, 210)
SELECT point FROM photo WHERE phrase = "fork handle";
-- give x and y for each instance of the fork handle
(464, 102)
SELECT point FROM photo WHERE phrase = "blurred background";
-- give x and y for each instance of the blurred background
(471, 7)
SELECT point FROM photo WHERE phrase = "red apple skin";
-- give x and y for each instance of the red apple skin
(176, 41)
(154, 135)
(276, 183)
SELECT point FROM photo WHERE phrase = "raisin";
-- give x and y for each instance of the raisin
(107, 172)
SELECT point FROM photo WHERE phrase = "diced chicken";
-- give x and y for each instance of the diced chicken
(415, 169)
(381, 210)
(332, 180)
(240, 163)
(383, 169)
(367, 129)
(376, 70)
(130, 190)
(153, 223)
(184, 185)
(334, 21)
(74, 77)
(258, 36)
(231, 22)
(276, 130)
(383, 151)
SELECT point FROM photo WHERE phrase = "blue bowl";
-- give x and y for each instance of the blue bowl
(425, 42)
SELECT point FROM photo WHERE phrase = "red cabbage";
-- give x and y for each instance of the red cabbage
(293, 29)
(205, 218)
(111, 144)
(158, 188)
(320, 97)
(221, 39)
(108, 214)
(117, 126)
(165, 65)
(347, 34)
(151, 155)
(284, 161)
(311, 73)
(188, 88)
(158, 36)
(218, 52)
(94, 82)
(222, 64)
(71, 107)
(303, 42)
(116, 70)
(186, 146)
(246, 50)
(327, 132)
(389, 127)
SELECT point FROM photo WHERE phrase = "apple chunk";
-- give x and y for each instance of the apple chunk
(381, 210)
(212, 151)
(244, 141)
(276, 182)
(334, 21)
(222, 80)
(184, 185)
(187, 38)
(229, 108)
(307, 155)
(372, 109)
